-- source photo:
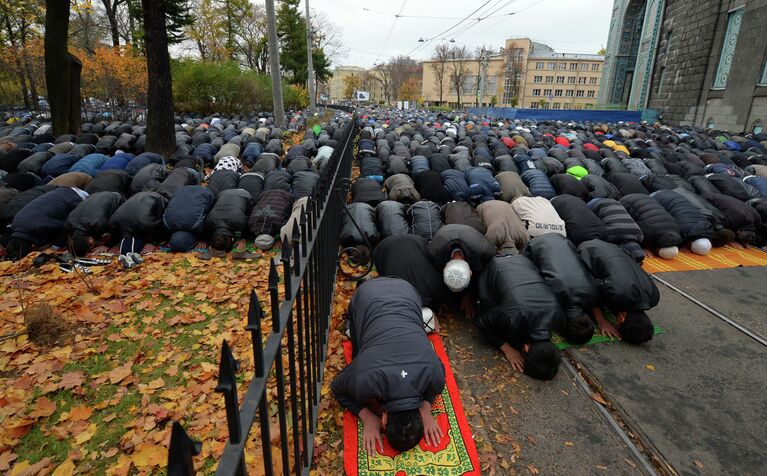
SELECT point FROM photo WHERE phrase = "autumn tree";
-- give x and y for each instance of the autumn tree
(351, 83)
(115, 75)
(18, 21)
(291, 29)
(409, 90)
(160, 131)
(439, 67)
(458, 69)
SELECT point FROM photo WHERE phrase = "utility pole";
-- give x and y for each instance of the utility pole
(310, 62)
(485, 58)
(274, 65)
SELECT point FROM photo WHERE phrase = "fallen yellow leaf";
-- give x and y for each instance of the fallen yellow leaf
(118, 374)
(67, 468)
(148, 455)
(80, 413)
(43, 408)
(86, 435)
(650, 367)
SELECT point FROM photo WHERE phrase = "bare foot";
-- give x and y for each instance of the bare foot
(240, 245)
(737, 245)
(115, 250)
(200, 245)
(99, 250)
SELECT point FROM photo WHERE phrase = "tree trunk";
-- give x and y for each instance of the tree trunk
(160, 130)
(57, 68)
(28, 72)
(111, 11)
(75, 68)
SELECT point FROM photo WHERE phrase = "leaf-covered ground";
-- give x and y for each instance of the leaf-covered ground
(140, 352)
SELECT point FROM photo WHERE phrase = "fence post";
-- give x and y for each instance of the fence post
(255, 314)
(180, 452)
(227, 384)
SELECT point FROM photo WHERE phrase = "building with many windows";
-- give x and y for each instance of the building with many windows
(697, 63)
(522, 74)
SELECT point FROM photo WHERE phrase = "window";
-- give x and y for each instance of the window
(592, 81)
(547, 92)
(757, 127)
(549, 79)
(581, 80)
(558, 93)
(552, 66)
(569, 93)
(579, 94)
(571, 80)
(539, 65)
(584, 66)
(590, 94)
(763, 79)
(533, 105)
(661, 80)
(538, 79)
(536, 92)
(563, 66)
(573, 66)
(588, 106)
(556, 105)
(578, 107)
(595, 67)
(710, 123)
(560, 80)
(734, 20)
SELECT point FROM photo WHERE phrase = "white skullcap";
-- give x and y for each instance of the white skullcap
(457, 275)
(668, 252)
(701, 246)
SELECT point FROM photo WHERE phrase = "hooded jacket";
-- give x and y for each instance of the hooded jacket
(568, 184)
(517, 305)
(692, 223)
(142, 160)
(456, 185)
(619, 225)
(580, 222)
(393, 362)
(599, 187)
(90, 164)
(187, 209)
(91, 217)
(391, 219)
(230, 212)
(365, 230)
(623, 284)
(739, 216)
(538, 184)
(461, 213)
(176, 179)
(512, 186)
(148, 179)
(43, 219)
(505, 231)
(477, 251)
(406, 257)
(482, 185)
(21, 200)
(626, 183)
(140, 215)
(221, 180)
(659, 228)
(59, 164)
(402, 189)
(566, 274)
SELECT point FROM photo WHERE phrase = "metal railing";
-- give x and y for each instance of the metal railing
(300, 323)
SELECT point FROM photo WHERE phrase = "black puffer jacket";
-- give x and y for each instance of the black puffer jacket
(230, 212)
(626, 183)
(277, 180)
(113, 180)
(580, 222)
(91, 217)
(729, 186)
(621, 228)
(391, 218)
(565, 273)
(140, 216)
(739, 216)
(654, 183)
(692, 223)
(567, 184)
(516, 304)
(623, 284)
(477, 251)
(303, 183)
(42, 219)
(600, 188)
(659, 228)
(21, 200)
(365, 217)
(178, 178)
(367, 190)
(429, 185)
(222, 180)
(149, 178)
(425, 219)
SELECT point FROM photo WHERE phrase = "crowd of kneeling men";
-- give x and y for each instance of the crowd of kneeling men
(533, 231)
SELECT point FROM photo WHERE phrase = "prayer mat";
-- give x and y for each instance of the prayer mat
(562, 344)
(718, 258)
(456, 454)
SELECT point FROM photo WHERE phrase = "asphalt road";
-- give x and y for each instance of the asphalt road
(695, 396)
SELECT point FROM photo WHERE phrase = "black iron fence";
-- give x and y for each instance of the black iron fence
(300, 323)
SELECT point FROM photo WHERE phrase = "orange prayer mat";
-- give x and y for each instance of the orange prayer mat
(456, 454)
(717, 258)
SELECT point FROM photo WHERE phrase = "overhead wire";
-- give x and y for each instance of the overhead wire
(442, 33)
(383, 46)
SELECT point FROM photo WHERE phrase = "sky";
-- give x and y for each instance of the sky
(372, 33)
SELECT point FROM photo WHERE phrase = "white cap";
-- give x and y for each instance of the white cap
(428, 320)
(264, 242)
(701, 246)
(668, 252)
(457, 275)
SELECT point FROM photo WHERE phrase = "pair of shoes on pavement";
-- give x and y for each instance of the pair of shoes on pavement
(130, 260)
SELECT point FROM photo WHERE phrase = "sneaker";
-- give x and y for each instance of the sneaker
(126, 261)
(136, 257)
